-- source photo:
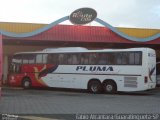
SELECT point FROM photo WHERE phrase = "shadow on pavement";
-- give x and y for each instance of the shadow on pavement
(139, 93)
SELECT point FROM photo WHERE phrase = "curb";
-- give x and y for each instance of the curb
(35, 118)
(11, 88)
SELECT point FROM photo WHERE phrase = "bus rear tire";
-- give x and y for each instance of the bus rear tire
(110, 87)
(95, 86)
(26, 83)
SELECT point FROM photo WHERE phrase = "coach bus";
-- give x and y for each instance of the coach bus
(107, 70)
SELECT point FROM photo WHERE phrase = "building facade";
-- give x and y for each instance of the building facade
(22, 37)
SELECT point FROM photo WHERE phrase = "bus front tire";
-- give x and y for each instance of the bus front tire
(110, 87)
(95, 87)
(26, 83)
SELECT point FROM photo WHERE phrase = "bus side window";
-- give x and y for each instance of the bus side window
(102, 59)
(92, 58)
(69, 59)
(62, 59)
(73, 59)
(39, 58)
(110, 58)
(138, 58)
(45, 56)
(125, 58)
(118, 58)
(17, 59)
(135, 58)
(131, 58)
(31, 59)
(52, 59)
(84, 58)
(25, 59)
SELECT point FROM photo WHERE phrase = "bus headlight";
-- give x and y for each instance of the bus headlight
(12, 77)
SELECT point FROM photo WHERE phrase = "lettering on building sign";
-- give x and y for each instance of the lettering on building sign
(94, 68)
(83, 16)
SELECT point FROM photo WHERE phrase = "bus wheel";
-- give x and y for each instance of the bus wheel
(26, 83)
(110, 87)
(95, 87)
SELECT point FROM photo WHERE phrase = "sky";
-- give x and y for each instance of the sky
(118, 13)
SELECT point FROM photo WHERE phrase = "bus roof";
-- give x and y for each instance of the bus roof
(81, 49)
(77, 49)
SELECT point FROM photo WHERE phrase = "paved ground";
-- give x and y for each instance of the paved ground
(35, 101)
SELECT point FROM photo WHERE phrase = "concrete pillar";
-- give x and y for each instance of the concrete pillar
(5, 68)
(1, 62)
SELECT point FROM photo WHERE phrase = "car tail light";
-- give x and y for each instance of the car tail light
(145, 79)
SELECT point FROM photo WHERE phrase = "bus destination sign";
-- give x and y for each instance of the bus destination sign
(83, 16)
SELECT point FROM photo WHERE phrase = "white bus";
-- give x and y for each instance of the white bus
(108, 70)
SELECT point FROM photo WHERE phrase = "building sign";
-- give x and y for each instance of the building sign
(83, 16)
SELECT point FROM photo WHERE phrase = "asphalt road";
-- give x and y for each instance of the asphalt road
(35, 101)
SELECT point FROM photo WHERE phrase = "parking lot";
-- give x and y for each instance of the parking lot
(52, 101)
